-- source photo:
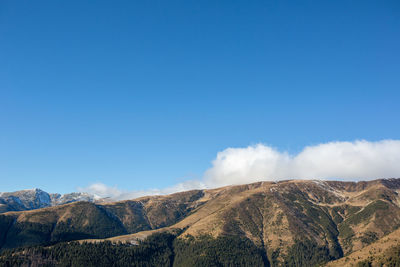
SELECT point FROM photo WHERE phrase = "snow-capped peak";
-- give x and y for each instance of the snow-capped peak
(36, 198)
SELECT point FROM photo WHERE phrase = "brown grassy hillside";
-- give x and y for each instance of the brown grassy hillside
(290, 220)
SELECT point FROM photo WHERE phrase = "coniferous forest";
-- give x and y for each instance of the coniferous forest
(165, 249)
(162, 249)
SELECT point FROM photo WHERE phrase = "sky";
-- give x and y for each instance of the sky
(134, 96)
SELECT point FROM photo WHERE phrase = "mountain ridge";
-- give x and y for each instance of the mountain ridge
(30, 199)
(331, 218)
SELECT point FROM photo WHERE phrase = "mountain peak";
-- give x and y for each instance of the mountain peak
(36, 198)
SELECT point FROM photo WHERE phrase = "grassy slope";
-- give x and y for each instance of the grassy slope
(82, 220)
(375, 250)
(328, 219)
(341, 217)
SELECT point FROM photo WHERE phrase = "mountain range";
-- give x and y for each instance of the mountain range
(36, 198)
(287, 223)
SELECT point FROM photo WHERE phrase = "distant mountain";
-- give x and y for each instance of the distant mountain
(36, 198)
(287, 223)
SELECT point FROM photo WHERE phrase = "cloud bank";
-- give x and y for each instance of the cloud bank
(335, 160)
(358, 160)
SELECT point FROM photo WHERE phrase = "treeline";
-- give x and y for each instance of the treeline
(158, 250)
(162, 249)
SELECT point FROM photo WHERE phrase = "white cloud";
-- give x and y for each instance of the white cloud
(359, 160)
(339, 160)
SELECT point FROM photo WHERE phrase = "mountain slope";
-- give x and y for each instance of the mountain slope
(294, 222)
(80, 220)
(372, 253)
(329, 219)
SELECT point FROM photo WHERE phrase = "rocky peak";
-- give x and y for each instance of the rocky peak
(36, 198)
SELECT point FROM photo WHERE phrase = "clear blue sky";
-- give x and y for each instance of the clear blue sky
(143, 94)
